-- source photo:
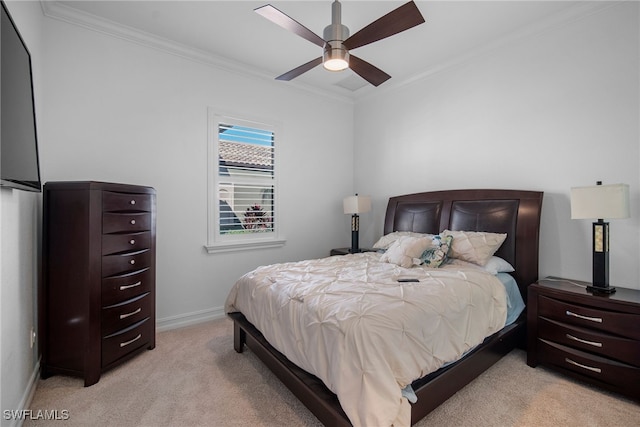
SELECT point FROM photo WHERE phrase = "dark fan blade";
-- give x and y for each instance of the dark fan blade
(277, 17)
(370, 73)
(394, 22)
(289, 75)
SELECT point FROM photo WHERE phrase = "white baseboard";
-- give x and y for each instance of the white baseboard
(188, 319)
(27, 397)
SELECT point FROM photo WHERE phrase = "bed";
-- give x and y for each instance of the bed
(513, 213)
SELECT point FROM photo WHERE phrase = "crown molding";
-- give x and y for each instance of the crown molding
(580, 10)
(61, 12)
(56, 10)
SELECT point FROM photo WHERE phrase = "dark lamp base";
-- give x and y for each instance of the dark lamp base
(598, 290)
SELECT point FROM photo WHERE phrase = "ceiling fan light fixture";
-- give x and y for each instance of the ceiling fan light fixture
(335, 56)
(335, 59)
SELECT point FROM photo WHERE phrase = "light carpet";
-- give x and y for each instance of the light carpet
(194, 378)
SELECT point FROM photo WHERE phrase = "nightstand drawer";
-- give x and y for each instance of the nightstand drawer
(603, 370)
(622, 349)
(604, 320)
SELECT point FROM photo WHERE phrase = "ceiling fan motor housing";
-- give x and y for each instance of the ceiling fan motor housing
(335, 56)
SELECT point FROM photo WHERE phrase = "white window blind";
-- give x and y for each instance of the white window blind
(243, 175)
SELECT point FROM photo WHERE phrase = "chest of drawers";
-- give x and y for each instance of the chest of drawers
(595, 338)
(97, 303)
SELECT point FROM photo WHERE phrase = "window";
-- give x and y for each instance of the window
(242, 184)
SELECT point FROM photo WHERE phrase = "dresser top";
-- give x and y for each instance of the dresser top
(97, 185)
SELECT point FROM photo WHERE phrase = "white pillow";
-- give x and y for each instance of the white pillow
(474, 246)
(494, 266)
(406, 251)
(497, 265)
(387, 240)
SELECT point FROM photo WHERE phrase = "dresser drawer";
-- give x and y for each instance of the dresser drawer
(622, 349)
(125, 202)
(604, 320)
(122, 287)
(121, 315)
(127, 222)
(618, 375)
(125, 341)
(122, 263)
(117, 243)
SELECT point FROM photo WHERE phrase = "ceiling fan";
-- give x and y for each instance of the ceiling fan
(337, 43)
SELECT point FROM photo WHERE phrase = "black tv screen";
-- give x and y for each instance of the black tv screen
(20, 167)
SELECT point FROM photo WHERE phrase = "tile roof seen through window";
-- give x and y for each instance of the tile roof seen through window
(245, 154)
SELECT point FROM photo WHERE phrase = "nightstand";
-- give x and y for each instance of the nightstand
(595, 338)
(345, 251)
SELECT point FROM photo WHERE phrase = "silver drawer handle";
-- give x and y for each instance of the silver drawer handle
(124, 316)
(133, 202)
(124, 344)
(580, 316)
(124, 287)
(133, 261)
(133, 222)
(132, 241)
(593, 343)
(580, 365)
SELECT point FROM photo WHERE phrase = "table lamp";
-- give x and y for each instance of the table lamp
(356, 205)
(600, 202)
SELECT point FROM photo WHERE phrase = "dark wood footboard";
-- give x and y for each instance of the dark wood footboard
(309, 389)
(436, 388)
(431, 390)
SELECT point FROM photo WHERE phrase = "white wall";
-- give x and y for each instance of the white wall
(118, 111)
(19, 237)
(547, 112)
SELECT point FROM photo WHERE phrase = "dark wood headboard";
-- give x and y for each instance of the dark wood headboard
(514, 212)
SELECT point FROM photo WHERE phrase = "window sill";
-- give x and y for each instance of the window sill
(244, 246)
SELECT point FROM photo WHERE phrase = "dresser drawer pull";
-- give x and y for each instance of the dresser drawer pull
(124, 316)
(580, 316)
(124, 344)
(133, 261)
(593, 343)
(133, 222)
(132, 241)
(133, 202)
(124, 287)
(580, 365)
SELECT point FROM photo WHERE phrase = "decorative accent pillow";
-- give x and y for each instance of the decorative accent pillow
(387, 240)
(435, 255)
(474, 246)
(406, 251)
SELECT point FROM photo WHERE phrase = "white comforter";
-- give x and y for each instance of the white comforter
(347, 320)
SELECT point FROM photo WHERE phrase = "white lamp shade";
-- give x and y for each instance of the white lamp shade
(356, 204)
(600, 202)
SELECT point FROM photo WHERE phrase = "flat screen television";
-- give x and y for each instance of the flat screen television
(20, 165)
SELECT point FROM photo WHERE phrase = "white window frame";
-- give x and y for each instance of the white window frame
(220, 242)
